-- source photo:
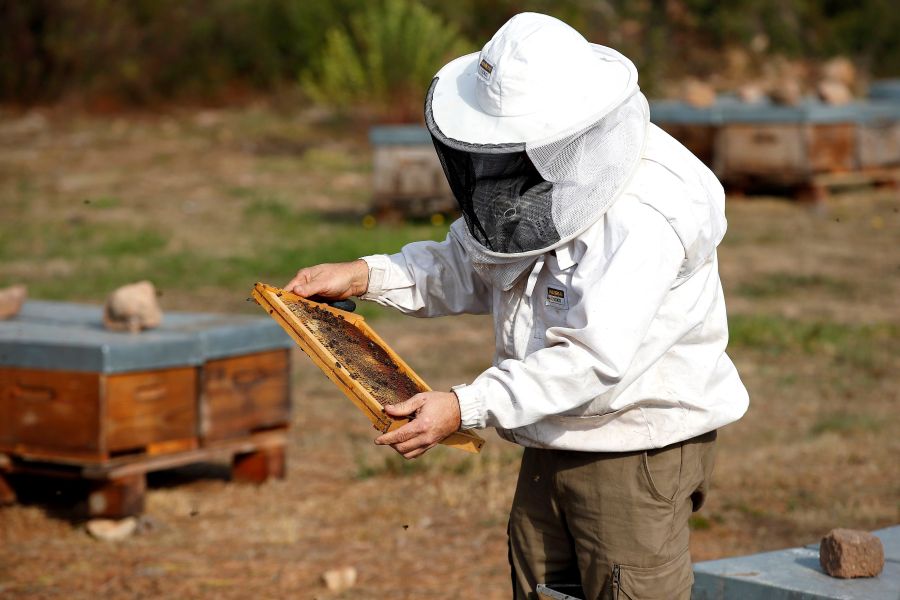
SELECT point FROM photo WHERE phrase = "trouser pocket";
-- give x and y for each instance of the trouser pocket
(669, 581)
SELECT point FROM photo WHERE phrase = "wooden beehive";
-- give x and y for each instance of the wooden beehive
(79, 401)
(407, 178)
(353, 356)
(70, 391)
(74, 417)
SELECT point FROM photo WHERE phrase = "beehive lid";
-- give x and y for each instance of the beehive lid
(729, 110)
(795, 574)
(399, 135)
(65, 336)
(885, 89)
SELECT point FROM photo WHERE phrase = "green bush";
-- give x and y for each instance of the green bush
(139, 51)
(150, 50)
(383, 60)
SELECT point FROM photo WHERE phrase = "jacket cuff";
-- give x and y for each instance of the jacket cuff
(471, 406)
(378, 271)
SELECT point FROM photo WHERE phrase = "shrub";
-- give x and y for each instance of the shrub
(147, 50)
(384, 60)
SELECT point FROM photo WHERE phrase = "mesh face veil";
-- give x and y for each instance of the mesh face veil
(504, 200)
(521, 200)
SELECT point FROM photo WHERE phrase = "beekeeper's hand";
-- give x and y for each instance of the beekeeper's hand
(331, 280)
(436, 415)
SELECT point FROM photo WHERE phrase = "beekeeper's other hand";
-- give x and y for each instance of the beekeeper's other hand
(331, 280)
(435, 416)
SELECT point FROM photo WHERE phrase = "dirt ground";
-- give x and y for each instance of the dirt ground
(815, 325)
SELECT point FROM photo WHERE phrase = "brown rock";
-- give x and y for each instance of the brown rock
(699, 94)
(338, 580)
(751, 93)
(11, 300)
(840, 69)
(834, 92)
(110, 530)
(850, 553)
(786, 92)
(132, 308)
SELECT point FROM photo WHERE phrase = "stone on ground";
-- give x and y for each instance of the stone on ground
(111, 530)
(338, 580)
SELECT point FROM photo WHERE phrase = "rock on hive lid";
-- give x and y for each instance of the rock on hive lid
(70, 337)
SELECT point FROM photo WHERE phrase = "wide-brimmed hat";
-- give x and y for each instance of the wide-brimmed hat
(537, 78)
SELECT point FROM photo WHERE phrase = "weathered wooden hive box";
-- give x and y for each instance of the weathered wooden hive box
(407, 178)
(785, 145)
(696, 128)
(71, 391)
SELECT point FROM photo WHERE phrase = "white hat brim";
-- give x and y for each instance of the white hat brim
(459, 116)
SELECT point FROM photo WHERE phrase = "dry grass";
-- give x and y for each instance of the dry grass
(812, 298)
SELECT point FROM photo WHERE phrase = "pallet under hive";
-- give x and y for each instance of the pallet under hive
(353, 356)
(79, 401)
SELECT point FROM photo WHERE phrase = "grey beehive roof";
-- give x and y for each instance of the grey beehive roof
(70, 337)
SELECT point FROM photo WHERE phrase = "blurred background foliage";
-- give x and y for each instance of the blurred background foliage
(150, 51)
(384, 59)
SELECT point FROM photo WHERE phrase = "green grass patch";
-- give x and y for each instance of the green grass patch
(392, 465)
(334, 160)
(270, 207)
(845, 423)
(437, 461)
(96, 257)
(129, 243)
(699, 523)
(103, 202)
(775, 285)
(77, 239)
(867, 347)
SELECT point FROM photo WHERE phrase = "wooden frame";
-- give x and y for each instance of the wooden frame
(117, 486)
(271, 299)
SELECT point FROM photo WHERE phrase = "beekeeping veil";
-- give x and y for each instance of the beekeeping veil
(538, 134)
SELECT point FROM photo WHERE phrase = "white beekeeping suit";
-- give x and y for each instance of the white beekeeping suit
(589, 234)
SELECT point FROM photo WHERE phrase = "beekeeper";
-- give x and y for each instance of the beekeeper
(590, 235)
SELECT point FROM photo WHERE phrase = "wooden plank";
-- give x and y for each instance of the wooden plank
(259, 466)
(222, 449)
(7, 493)
(244, 393)
(117, 498)
(171, 446)
(272, 300)
(150, 407)
(858, 178)
(51, 413)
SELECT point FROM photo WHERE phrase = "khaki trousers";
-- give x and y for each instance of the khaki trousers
(617, 523)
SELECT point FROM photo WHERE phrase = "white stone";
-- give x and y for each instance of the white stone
(111, 530)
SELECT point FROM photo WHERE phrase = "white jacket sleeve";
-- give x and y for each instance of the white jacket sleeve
(620, 285)
(427, 279)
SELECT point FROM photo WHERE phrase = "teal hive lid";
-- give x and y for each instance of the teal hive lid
(65, 336)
